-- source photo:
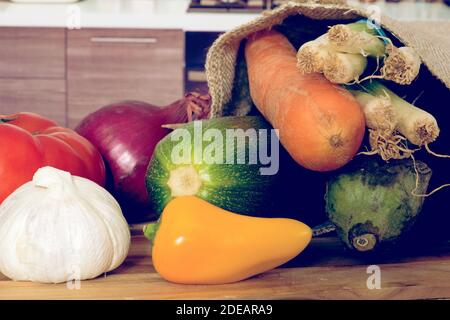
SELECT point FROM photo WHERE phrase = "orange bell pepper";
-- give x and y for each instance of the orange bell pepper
(196, 242)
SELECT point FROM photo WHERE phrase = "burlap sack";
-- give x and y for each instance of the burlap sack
(429, 39)
(228, 82)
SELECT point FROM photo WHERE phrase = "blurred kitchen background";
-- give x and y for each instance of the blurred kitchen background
(64, 59)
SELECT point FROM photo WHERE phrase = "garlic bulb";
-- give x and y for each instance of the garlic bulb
(60, 228)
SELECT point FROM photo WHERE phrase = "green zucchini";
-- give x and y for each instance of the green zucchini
(238, 187)
(373, 203)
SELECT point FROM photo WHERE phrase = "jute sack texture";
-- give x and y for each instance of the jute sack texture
(430, 39)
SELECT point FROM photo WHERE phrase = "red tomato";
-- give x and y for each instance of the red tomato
(29, 142)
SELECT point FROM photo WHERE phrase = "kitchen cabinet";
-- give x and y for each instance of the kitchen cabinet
(32, 53)
(46, 97)
(67, 74)
(110, 65)
(32, 71)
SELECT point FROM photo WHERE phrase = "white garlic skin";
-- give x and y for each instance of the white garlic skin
(59, 228)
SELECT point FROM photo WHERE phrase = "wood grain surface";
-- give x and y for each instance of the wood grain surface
(32, 53)
(111, 65)
(46, 97)
(323, 271)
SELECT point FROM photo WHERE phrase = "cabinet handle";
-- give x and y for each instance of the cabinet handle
(124, 40)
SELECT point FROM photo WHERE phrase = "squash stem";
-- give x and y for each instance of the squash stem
(365, 242)
(184, 181)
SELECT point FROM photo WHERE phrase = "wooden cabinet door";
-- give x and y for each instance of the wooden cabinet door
(46, 97)
(32, 71)
(111, 65)
(32, 53)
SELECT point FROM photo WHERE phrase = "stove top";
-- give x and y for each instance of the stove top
(229, 5)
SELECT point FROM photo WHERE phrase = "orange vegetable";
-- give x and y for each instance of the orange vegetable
(199, 243)
(320, 124)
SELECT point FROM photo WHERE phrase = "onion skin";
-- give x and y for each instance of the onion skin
(126, 134)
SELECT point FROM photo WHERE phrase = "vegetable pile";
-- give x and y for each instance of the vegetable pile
(238, 187)
(321, 125)
(341, 55)
(126, 134)
(215, 185)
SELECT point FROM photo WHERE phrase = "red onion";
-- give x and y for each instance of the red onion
(126, 134)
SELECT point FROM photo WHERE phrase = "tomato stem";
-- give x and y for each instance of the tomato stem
(5, 120)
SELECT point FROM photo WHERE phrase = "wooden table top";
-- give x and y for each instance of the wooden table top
(323, 271)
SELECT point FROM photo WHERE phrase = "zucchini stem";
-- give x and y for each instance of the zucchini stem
(184, 181)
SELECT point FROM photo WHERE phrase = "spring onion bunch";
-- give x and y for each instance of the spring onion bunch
(341, 55)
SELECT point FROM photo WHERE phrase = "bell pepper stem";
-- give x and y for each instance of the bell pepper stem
(150, 230)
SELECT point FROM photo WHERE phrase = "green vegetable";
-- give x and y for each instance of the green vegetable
(356, 37)
(417, 125)
(237, 187)
(341, 53)
(374, 203)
